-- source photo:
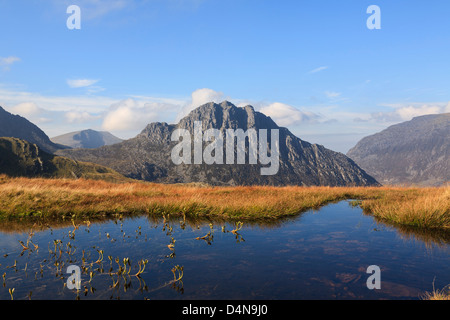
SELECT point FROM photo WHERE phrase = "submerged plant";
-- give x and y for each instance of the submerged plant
(142, 263)
(171, 245)
(100, 258)
(11, 291)
(177, 273)
(13, 266)
(207, 237)
(126, 261)
(24, 247)
(238, 226)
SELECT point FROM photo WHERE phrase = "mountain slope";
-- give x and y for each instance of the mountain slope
(89, 139)
(19, 158)
(18, 127)
(148, 155)
(412, 152)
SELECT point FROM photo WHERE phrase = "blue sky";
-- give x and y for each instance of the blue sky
(313, 66)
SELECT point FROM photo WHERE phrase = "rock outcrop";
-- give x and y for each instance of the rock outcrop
(148, 155)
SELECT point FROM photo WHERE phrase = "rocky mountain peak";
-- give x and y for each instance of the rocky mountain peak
(148, 155)
(16, 126)
(226, 116)
(411, 152)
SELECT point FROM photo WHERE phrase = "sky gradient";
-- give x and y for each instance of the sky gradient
(313, 66)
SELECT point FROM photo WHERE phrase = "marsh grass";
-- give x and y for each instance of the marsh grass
(436, 294)
(63, 199)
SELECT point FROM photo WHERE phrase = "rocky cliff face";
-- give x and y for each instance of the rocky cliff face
(148, 155)
(412, 152)
(19, 158)
(18, 127)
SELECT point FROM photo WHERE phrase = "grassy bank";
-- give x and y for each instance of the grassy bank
(62, 198)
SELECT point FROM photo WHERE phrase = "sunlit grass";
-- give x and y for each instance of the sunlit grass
(443, 294)
(65, 198)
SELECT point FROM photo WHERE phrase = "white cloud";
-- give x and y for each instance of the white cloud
(71, 113)
(149, 99)
(282, 114)
(80, 116)
(318, 69)
(32, 112)
(410, 112)
(128, 117)
(7, 62)
(122, 116)
(286, 115)
(80, 83)
(26, 109)
(198, 98)
(132, 115)
(95, 89)
(42, 120)
(406, 112)
(332, 94)
(12, 97)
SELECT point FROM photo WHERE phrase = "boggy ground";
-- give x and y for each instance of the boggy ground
(56, 199)
(24, 200)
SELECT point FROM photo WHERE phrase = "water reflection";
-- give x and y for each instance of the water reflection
(429, 237)
(317, 255)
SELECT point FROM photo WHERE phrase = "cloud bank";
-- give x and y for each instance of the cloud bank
(127, 117)
(286, 115)
(405, 112)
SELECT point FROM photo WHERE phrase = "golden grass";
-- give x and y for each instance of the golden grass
(443, 294)
(62, 198)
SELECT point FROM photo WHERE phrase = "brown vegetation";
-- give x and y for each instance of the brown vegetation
(63, 198)
(443, 294)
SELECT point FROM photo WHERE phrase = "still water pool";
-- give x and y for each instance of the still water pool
(320, 254)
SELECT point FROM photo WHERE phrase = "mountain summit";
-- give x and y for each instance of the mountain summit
(89, 139)
(148, 155)
(16, 126)
(411, 152)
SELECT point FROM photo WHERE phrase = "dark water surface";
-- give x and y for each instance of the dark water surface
(318, 255)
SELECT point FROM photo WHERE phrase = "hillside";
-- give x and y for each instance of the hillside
(413, 152)
(19, 158)
(18, 127)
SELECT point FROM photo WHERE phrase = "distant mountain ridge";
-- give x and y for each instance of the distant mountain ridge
(148, 155)
(19, 127)
(412, 152)
(20, 158)
(89, 139)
